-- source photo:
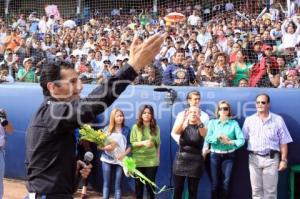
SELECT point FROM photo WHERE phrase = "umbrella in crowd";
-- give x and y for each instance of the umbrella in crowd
(174, 17)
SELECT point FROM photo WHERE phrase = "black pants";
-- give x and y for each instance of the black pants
(179, 185)
(149, 172)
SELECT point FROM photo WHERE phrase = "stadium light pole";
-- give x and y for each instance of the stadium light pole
(155, 7)
(78, 7)
(6, 8)
(288, 3)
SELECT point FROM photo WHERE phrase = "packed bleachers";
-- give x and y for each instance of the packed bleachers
(217, 45)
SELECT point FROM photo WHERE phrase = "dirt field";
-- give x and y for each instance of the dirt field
(15, 189)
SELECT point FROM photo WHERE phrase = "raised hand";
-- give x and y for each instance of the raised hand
(142, 54)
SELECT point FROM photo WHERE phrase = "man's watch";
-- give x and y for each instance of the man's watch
(201, 125)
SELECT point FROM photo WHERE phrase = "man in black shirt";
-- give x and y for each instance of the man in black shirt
(50, 155)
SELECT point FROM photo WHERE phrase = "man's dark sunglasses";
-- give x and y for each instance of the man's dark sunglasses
(261, 102)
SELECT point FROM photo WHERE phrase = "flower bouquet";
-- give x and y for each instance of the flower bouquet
(100, 138)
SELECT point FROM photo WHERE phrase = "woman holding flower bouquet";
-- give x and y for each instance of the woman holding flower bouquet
(145, 141)
(115, 150)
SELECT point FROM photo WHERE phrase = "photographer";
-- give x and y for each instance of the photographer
(5, 127)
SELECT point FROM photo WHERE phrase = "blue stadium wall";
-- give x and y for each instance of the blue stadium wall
(22, 100)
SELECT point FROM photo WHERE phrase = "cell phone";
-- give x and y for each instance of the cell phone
(272, 154)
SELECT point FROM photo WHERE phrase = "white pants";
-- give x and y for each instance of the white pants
(263, 176)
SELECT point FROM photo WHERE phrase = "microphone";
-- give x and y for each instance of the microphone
(162, 89)
(88, 157)
(170, 96)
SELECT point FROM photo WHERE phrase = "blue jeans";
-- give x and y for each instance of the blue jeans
(41, 197)
(221, 169)
(2, 169)
(107, 171)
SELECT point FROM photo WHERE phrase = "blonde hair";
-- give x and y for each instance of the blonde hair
(112, 124)
(218, 108)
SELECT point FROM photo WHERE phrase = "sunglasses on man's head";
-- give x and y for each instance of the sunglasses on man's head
(261, 102)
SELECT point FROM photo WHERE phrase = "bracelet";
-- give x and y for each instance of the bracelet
(201, 125)
(285, 161)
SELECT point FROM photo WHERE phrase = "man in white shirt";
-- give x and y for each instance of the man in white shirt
(43, 25)
(107, 55)
(79, 49)
(50, 22)
(229, 6)
(97, 64)
(193, 99)
(203, 37)
(168, 49)
(194, 18)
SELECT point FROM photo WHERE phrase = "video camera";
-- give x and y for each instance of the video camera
(3, 118)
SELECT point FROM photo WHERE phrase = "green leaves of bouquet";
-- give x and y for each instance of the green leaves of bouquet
(98, 137)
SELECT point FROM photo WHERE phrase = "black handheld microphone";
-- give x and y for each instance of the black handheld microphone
(162, 89)
(170, 96)
(88, 157)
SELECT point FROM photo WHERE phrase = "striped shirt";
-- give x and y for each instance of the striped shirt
(2, 136)
(264, 136)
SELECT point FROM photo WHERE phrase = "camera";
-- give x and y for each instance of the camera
(3, 118)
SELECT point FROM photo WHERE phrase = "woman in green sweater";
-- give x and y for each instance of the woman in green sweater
(145, 141)
(225, 137)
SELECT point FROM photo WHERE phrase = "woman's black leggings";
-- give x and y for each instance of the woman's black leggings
(179, 185)
(149, 172)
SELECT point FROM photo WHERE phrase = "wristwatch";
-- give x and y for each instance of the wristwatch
(201, 125)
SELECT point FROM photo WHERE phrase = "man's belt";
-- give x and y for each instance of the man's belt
(271, 153)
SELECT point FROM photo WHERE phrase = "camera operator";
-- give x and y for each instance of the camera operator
(5, 127)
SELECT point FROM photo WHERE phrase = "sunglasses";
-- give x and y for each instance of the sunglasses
(209, 66)
(224, 108)
(261, 102)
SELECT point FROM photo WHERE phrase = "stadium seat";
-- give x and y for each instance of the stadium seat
(293, 170)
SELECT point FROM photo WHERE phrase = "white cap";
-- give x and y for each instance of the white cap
(59, 54)
(26, 60)
(121, 57)
(237, 31)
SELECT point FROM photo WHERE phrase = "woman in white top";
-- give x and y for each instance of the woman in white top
(290, 31)
(114, 152)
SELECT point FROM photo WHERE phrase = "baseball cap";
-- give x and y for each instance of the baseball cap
(26, 60)
(266, 47)
(237, 31)
(291, 72)
(107, 61)
(59, 54)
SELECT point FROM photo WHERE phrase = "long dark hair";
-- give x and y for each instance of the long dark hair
(140, 123)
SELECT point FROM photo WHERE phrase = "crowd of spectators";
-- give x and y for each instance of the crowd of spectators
(217, 47)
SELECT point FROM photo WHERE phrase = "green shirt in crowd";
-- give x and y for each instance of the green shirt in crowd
(230, 128)
(143, 156)
(29, 77)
